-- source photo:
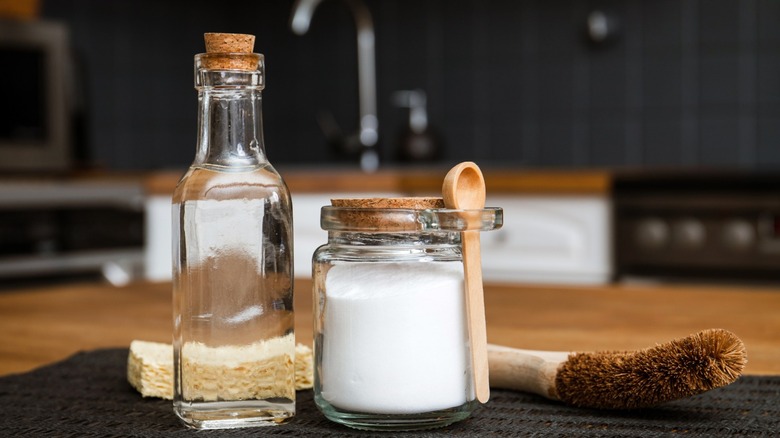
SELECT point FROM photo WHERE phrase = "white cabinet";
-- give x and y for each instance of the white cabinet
(306, 222)
(308, 234)
(549, 239)
(545, 239)
(158, 263)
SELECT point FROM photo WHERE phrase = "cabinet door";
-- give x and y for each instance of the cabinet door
(306, 223)
(550, 239)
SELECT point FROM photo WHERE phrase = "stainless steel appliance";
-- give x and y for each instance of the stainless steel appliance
(52, 228)
(703, 225)
(35, 79)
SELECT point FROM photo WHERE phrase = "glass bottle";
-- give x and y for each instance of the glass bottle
(391, 345)
(232, 261)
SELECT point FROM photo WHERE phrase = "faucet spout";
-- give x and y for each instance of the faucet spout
(368, 135)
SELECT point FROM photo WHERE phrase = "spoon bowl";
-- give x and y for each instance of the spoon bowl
(464, 187)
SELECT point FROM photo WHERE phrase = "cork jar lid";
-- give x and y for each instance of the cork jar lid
(417, 203)
(410, 214)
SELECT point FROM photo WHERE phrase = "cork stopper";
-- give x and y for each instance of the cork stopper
(229, 51)
(229, 42)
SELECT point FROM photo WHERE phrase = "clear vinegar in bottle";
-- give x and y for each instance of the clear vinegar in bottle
(234, 344)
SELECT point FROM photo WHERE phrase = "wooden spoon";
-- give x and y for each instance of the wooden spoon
(464, 189)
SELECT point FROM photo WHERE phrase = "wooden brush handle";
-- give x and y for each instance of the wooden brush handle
(525, 370)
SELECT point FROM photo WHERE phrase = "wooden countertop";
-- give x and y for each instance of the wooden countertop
(39, 326)
(419, 181)
(415, 181)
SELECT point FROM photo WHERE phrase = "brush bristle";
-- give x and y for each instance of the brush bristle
(671, 371)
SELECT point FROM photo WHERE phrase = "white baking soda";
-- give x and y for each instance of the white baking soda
(395, 338)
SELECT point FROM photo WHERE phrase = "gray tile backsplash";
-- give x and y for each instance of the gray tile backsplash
(683, 82)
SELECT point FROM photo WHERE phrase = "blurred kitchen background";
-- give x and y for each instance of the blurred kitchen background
(635, 138)
(681, 83)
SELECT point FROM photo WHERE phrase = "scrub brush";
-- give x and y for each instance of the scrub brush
(626, 379)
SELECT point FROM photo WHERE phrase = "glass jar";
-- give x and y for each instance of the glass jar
(390, 332)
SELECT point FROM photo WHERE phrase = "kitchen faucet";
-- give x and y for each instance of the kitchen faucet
(368, 135)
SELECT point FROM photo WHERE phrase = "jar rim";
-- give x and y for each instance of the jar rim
(410, 220)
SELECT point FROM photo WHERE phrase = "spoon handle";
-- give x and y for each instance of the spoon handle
(475, 311)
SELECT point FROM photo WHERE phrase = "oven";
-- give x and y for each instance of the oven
(701, 225)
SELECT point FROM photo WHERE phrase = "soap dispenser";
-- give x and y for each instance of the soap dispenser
(417, 141)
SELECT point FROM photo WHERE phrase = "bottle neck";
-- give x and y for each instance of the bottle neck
(230, 127)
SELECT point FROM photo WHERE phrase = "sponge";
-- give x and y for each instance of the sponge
(150, 368)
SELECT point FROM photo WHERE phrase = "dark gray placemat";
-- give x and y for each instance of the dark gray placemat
(87, 395)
